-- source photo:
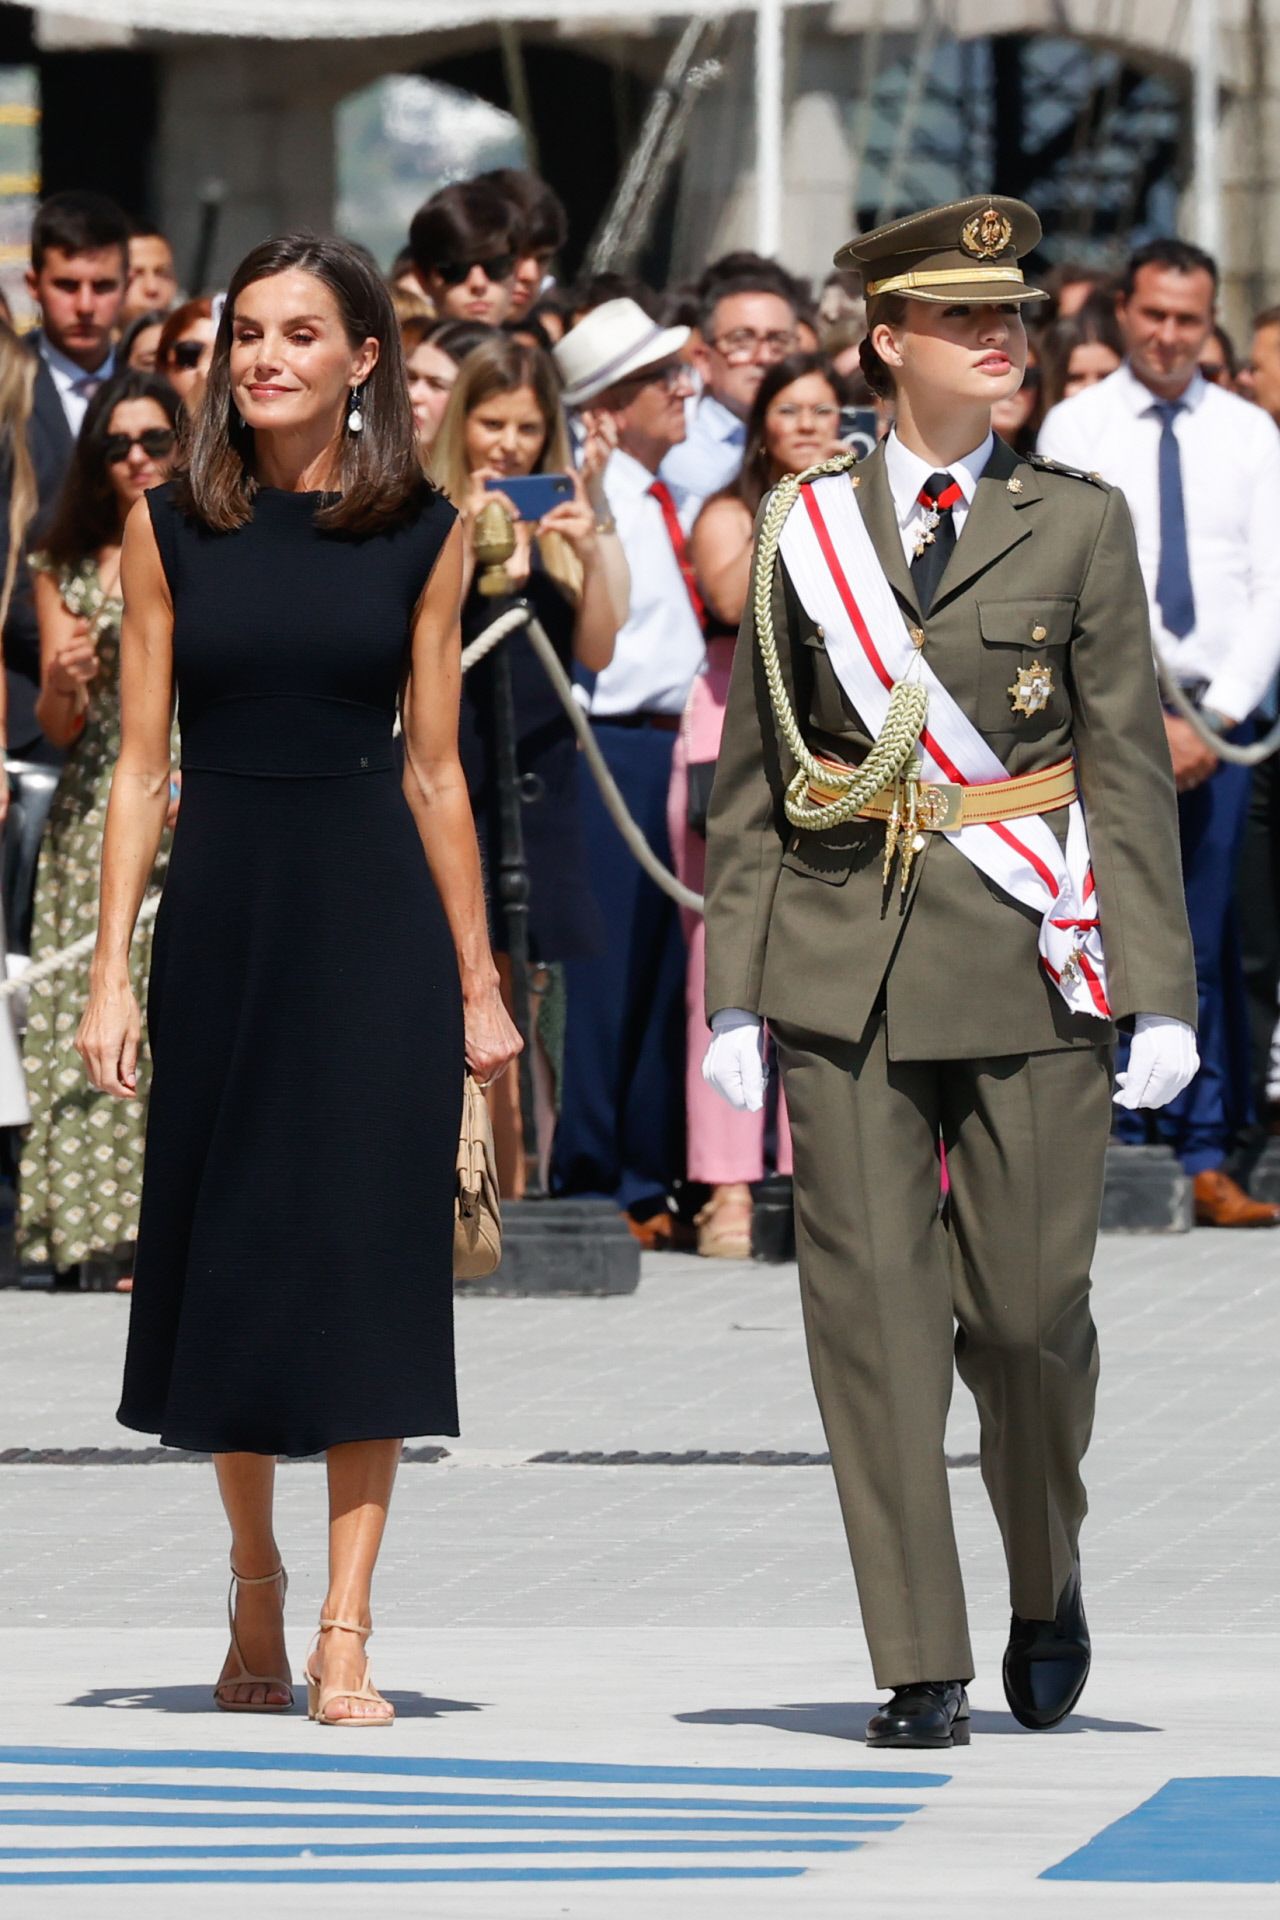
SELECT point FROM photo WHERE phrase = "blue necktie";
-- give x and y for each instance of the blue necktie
(1173, 580)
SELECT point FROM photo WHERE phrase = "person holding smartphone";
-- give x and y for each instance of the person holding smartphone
(503, 437)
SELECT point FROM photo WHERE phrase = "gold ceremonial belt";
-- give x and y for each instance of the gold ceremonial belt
(943, 808)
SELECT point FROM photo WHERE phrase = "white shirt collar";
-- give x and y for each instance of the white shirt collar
(1140, 399)
(907, 474)
(627, 474)
(67, 372)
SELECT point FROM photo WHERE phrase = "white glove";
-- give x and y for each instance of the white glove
(734, 1062)
(1162, 1061)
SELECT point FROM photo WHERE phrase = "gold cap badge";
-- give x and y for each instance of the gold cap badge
(987, 234)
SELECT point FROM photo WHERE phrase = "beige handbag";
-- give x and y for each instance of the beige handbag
(477, 1210)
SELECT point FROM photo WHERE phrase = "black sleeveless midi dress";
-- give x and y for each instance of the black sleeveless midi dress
(293, 1274)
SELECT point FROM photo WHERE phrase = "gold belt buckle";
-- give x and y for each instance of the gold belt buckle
(940, 806)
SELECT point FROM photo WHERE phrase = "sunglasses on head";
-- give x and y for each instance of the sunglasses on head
(187, 353)
(498, 266)
(156, 443)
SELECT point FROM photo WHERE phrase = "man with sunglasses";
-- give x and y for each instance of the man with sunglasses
(465, 243)
(748, 324)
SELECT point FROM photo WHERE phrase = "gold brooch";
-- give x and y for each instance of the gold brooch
(1031, 690)
(987, 234)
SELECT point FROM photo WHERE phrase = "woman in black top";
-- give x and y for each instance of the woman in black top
(315, 980)
(503, 422)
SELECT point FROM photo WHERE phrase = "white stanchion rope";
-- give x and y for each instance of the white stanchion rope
(484, 643)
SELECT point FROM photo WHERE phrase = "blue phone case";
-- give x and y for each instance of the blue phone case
(534, 494)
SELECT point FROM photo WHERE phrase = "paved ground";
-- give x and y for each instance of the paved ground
(624, 1686)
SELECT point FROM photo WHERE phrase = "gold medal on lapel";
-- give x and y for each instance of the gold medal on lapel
(1031, 690)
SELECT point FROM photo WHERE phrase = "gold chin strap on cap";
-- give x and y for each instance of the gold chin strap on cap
(1010, 276)
(895, 747)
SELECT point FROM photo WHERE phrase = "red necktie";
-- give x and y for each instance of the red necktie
(661, 492)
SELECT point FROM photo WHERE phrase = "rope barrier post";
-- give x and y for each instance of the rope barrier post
(513, 892)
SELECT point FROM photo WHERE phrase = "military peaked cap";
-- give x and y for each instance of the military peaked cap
(968, 250)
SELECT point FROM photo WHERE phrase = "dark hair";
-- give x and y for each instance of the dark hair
(381, 477)
(87, 514)
(598, 288)
(1093, 323)
(883, 310)
(153, 317)
(76, 222)
(531, 331)
(1230, 357)
(753, 479)
(148, 230)
(544, 222)
(458, 338)
(1177, 255)
(743, 283)
(466, 221)
(769, 275)
(1269, 317)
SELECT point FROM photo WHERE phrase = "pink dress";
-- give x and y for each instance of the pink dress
(724, 1146)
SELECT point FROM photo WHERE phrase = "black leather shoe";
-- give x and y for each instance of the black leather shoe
(1046, 1662)
(930, 1713)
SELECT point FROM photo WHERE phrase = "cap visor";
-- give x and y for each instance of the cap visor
(990, 294)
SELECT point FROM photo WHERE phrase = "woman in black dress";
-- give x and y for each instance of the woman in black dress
(315, 980)
(503, 422)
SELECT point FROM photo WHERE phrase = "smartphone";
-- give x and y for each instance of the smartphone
(534, 495)
(859, 430)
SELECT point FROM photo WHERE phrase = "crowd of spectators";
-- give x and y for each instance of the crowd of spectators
(661, 417)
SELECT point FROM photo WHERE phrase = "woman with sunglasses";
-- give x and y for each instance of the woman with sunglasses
(74, 1205)
(184, 348)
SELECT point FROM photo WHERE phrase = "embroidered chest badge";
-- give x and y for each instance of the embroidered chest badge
(1031, 690)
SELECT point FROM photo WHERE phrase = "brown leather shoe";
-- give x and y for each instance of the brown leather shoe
(1221, 1202)
(662, 1232)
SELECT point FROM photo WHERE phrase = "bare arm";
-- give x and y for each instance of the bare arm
(110, 1031)
(436, 791)
(720, 548)
(68, 663)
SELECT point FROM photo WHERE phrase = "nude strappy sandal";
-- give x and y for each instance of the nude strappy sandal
(318, 1703)
(244, 1678)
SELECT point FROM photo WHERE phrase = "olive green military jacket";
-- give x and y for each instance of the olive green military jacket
(801, 928)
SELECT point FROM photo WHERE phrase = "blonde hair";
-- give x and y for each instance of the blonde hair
(17, 383)
(505, 365)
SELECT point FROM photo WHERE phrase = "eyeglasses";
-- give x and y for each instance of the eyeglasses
(824, 413)
(187, 354)
(672, 376)
(499, 266)
(745, 344)
(157, 443)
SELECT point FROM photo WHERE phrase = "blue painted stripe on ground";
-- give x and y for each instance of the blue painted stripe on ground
(197, 1758)
(1224, 1831)
(330, 1876)
(432, 1822)
(323, 1849)
(392, 1797)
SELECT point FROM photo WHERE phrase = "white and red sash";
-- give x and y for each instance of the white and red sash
(827, 549)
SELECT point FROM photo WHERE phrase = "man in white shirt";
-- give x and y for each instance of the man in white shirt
(621, 1126)
(1200, 469)
(748, 324)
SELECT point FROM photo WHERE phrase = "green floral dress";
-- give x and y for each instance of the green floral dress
(80, 1171)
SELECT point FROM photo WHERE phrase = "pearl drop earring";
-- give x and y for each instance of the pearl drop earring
(355, 419)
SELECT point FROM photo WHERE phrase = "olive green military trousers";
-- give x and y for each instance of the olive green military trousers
(892, 1286)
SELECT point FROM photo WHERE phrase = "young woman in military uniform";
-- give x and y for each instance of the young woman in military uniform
(943, 865)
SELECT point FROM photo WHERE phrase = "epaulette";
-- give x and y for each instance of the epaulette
(1042, 464)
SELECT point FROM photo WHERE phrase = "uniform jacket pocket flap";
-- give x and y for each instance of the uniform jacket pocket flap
(831, 856)
(1026, 623)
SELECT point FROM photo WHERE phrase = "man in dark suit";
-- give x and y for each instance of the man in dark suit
(77, 278)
